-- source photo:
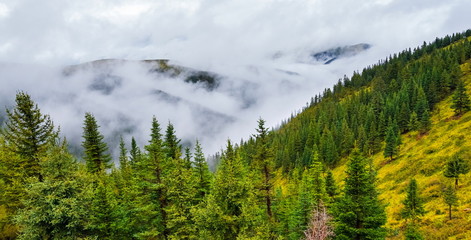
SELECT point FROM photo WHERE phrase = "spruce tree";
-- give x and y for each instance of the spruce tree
(27, 133)
(135, 151)
(171, 142)
(226, 214)
(451, 199)
(202, 174)
(54, 208)
(455, 167)
(358, 213)
(95, 149)
(330, 185)
(391, 148)
(263, 163)
(151, 197)
(413, 204)
(461, 102)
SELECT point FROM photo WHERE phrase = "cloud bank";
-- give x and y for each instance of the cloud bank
(236, 39)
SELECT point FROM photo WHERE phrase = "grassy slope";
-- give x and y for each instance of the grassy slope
(423, 158)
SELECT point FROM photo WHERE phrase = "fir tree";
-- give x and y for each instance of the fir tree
(413, 122)
(461, 102)
(151, 197)
(451, 199)
(392, 140)
(456, 166)
(201, 172)
(358, 213)
(330, 185)
(413, 204)
(53, 208)
(171, 142)
(96, 156)
(263, 163)
(123, 156)
(135, 151)
(27, 133)
(412, 232)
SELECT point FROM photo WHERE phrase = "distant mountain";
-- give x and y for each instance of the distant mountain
(332, 54)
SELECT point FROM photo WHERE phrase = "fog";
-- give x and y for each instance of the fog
(261, 49)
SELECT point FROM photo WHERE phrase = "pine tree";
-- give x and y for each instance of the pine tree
(412, 232)
(392, 139)
(358, 213)
(180, 193)
(263, 163)
(451, 199)
(135, 151)
(456, 166)
(123, 157)
(424, 122)
(151, 197)
(27, 133)
(96, 156)
(225, 215)
(413, 204)
(53, 208)
(171, 142)
(461, 102)
(413, 122)
(202, 174)
(330, 185)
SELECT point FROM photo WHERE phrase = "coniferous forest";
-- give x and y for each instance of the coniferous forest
(317, 176)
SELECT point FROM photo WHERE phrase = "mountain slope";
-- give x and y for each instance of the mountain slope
(423, 157)
(357, 111)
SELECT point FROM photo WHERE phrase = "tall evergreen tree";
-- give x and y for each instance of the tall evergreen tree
(330, 185)
(226, 214)
(358, 213)
(135, 151)
(413, 204)
(461, 102)
(451, 199)
(151, 197)
(54, 208)
(27, 133)
(392, 141)
(455, 167)
(172, 143)
(96, 156)
(263, 163)
(202, 173)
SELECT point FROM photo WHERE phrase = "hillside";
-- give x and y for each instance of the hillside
(340, 167)
(423, 157)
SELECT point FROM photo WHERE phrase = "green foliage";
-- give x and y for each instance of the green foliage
(392, 141)
(461, 102)
(413, 204)
(358, 213)
(412, 232)
(172, 143)
(53, 208)
(450, 198)
(27, 133)
(455, 167)
(95, 149)
(330, 185)
(203, 176)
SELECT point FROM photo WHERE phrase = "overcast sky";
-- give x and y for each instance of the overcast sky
(237, 39)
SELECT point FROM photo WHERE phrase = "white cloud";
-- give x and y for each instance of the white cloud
(234, 38)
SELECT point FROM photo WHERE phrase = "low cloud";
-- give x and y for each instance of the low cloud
(236, 39)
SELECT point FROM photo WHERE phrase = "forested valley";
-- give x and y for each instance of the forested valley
(348, 166)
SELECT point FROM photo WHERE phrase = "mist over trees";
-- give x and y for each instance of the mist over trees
(278, 184)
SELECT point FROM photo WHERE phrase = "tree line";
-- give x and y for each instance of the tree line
(276, 185)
